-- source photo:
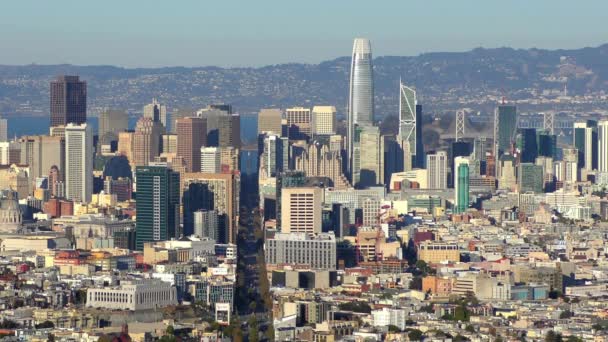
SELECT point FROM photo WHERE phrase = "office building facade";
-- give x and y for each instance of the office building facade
(78, 162)
(157, 204)
(68, 101)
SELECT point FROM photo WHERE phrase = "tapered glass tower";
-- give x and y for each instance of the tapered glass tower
(361, 92)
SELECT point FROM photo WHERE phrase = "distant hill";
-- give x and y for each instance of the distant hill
(444, 81)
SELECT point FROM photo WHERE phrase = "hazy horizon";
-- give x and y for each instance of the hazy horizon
(294, 62)
(243, 33)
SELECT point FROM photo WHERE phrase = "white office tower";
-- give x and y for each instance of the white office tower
(324, 120)
(602, 146)
(206, 224)
(156, 111)
(361, 91)
(78, 162)
(301, 210)
(436, 167)
(211, 160)
(3, 130)
(10, 152)
(407, 119)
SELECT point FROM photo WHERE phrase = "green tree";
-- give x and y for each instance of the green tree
(552, 336)
(170, 330)
(470, 328)
(45, 325)
(393, 329)
(356, 306)
(461, 314)
(415, 335)
(416, 284)
(566, 314)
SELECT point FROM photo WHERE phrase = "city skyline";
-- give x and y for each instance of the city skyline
(90, 34)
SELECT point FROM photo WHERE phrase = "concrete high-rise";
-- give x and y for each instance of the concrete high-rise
(226, 196)
(40, 152)
(125, 145)
(223, 127)
(156, 111)
(461, 184)
(3, 130)
(78, 162)
(157, 204)
(169, 144)
(180, 113)
(301, 210)
(191, 136)
(146, 141)
(111, 123)
(361, 91)
(275, 155)
(68, 101)
(437, 166)
(324, 120)
(211, 160)
(299, 123)
(602, 144)
(269, 121)
(586, 141)
(371, 166)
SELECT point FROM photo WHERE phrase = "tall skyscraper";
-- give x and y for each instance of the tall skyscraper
(191, 136)
(275, 156)
(125, 145)
(111, 123)
(408, 124)
(461, 184)
(223, 127)
(324, 120)
(602, 155)
(169, 144)
(301, 210)
(156, 111)
(507, 177)
(530, 178)
(226, 196)
(529, 145)
(547, 145)
(505, 127)
(419, 157)
(146, 141)
(269, 121)
(361, 92)
(180, 113)
(371, 170)
(585, 140)
(68, 101)
(3, 130)
(437, 166)
(196, 197)
(78, 162)
(157, 204)
(299, 123)
(40, 152)
(211, 160)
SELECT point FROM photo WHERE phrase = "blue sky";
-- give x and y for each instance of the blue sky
(137, 33)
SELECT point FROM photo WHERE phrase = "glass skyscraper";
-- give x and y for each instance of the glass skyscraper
(461, 184)
(506, 127)
(157, 204)
(408, 123)
(361, 91)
